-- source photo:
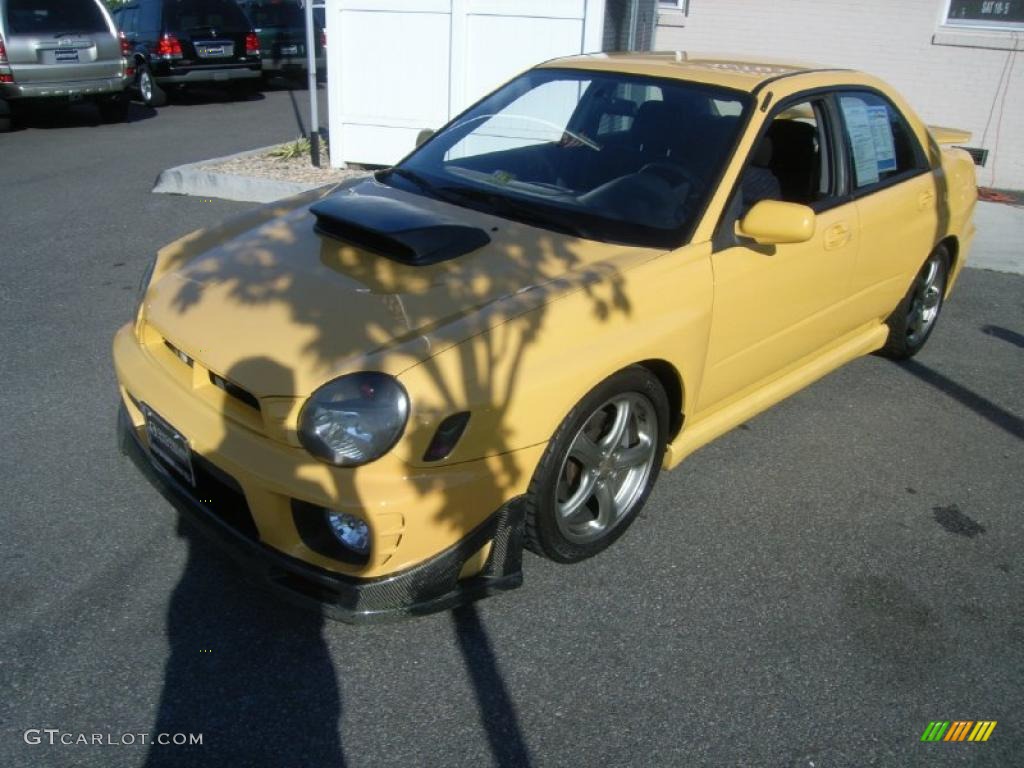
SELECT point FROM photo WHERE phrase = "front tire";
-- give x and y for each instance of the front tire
(599, 468)
(913, 320)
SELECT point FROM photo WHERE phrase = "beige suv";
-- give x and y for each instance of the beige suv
(63, 50)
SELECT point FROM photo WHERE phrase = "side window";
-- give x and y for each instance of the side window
(793, 160)
(881, 144)
(129, 19)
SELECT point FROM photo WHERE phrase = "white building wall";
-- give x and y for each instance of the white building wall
(951, 76)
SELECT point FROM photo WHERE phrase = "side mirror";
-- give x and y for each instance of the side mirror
(422, 136)
(772, 222)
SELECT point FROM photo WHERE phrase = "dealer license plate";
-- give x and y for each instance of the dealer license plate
(168, 445)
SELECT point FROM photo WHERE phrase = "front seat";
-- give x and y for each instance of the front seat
(795, 159)
(759, 182)
(652, 129)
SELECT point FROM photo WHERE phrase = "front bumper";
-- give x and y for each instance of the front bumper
(430, 586)
(71, 89)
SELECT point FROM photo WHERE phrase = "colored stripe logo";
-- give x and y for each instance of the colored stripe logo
(958, 730)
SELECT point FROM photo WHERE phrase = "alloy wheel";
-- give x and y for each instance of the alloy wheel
(146, 85)
(927, 298)
(606, 467)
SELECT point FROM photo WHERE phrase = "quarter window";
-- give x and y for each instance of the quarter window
(881, 144)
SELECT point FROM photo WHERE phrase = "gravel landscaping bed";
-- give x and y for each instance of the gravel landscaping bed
(297, 169)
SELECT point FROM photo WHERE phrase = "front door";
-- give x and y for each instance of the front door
(777, 304)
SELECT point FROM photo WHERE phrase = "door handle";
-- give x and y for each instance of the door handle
(925, 199)
(836, 236)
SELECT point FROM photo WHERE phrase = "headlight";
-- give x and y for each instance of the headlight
(147, 275)
(355, 419)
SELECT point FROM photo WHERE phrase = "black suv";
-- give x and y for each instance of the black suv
(182, 42)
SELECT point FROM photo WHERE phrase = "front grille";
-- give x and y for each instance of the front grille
(223, 497)
(219, 494)
(235, 391)
(179, 354)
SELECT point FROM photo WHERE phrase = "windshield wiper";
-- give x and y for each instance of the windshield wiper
(523, 212)
(420, 181)
(492, 203)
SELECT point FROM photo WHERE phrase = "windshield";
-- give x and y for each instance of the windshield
(606, 156)
(276, 14)
(54, 17)
(188, 15)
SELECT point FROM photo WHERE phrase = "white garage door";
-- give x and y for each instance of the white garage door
(396, 67)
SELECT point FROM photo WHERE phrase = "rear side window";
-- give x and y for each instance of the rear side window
(200, 15)
(880, 142)
(54, 17)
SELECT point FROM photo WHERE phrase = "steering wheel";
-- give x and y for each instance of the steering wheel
(674, 174)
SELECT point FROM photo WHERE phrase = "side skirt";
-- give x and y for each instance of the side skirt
(763, 396)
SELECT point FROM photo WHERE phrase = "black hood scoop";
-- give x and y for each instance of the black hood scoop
(395, 229)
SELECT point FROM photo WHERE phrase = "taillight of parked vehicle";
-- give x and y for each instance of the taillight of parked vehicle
(126, 55)
(5, 71)
(252, 44)
(169, 47)
(323, 38)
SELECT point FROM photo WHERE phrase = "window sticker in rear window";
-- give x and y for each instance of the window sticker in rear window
(881, 131)
(862, 140)
(870, 132)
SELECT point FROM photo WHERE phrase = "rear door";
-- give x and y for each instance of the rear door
(899, 198)
(211, 32)
(57, 41)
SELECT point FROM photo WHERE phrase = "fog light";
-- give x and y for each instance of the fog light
(352, 532)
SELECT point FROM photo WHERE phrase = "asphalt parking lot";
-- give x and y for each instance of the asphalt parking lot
(811, 590)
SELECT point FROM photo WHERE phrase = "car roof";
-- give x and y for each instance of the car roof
(743, 74)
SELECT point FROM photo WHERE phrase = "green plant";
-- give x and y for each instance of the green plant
(290, 150)
(294, 149)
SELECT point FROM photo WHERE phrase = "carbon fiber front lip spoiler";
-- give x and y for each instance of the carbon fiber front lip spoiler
(428, 587)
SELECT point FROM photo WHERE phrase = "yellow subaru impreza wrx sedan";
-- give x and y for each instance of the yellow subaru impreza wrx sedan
(379, 394)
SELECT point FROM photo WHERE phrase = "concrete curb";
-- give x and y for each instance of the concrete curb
(999, 244)
(196, 180)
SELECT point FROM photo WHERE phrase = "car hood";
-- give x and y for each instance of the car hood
(310, 307)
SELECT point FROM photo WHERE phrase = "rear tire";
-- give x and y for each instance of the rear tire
(913, 320)
(152, 95)
(599, 468)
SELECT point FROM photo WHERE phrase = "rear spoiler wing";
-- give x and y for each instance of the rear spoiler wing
(958, 138)
(944, 135)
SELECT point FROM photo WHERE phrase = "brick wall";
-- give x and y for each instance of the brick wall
(953, 85)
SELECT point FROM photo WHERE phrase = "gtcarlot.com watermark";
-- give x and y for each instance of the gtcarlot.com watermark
(55, 737)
